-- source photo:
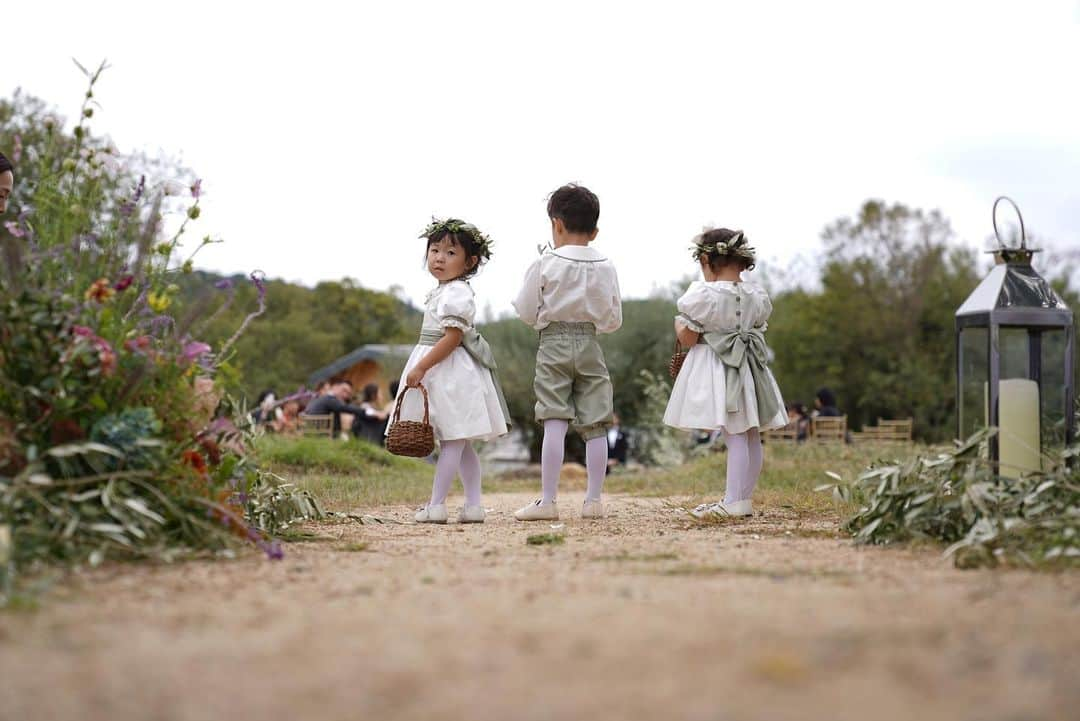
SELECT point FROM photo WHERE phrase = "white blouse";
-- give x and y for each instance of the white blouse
(724, 305)
(572, 284)
(450, 305)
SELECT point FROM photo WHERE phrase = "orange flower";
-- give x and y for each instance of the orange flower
(100, 290)
(195, 460)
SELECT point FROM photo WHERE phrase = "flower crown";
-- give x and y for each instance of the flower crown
(737, 246)
(482, 242)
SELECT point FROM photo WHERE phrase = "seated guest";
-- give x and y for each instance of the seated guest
(334, 403)
(289, 420)
(389, 407)
(799, 420)
(825, 404)
(617, 444)
(266, 409)
(371, 424)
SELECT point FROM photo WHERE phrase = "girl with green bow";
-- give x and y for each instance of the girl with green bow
(725, 383)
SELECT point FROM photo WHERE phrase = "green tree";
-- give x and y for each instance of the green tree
(880, 332)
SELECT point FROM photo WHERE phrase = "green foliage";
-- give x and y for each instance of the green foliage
(958, 498)
(656, 443)
(303, 329)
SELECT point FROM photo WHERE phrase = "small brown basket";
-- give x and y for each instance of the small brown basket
(411, 438)
(678, 355)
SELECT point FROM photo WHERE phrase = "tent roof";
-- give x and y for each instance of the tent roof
(373, 351)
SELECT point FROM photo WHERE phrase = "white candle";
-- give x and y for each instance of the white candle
(1018, 427)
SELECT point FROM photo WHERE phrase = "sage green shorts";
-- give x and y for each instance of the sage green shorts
(572, 381)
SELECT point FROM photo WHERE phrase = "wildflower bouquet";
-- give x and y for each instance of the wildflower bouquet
(116, 439)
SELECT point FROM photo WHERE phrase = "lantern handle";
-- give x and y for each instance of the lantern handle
(993, 217)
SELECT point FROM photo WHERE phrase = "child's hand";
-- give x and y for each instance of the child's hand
(412, 380)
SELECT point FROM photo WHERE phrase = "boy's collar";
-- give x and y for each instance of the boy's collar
(577, 252)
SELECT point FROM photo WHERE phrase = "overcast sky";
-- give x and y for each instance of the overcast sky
(327, 134)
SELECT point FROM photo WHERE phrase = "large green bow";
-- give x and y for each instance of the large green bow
(478, 347)
(735, 348)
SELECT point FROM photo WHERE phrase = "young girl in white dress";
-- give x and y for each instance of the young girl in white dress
(456, 367)
(725, 383)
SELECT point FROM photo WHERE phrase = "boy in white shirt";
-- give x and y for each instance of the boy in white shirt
(571, 293)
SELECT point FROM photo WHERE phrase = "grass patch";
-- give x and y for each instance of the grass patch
(355, 547)
(346, 474)
(821, 533)
(773, 573)
(638, 557)
(280, 453)
(546, 539)
(292, 535)
(788, 478)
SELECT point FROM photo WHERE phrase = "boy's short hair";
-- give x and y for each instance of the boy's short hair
(576, 206)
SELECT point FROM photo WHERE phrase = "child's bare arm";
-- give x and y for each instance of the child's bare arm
(686, 336)
(443, 348)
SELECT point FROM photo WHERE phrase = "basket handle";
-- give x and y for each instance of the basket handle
(401, 397)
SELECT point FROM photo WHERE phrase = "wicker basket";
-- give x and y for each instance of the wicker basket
(678, 355)
(411, 438)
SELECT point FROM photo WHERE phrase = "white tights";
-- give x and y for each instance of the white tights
(455, 456)
(744, 459)
(551, 460)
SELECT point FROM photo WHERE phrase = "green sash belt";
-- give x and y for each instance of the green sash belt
(735, 348)
(476, 346)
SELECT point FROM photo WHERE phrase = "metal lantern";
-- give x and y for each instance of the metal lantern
(1015, 351)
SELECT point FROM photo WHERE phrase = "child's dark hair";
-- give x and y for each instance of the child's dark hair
(371, 392)
(464, 235)
(576, 206)
(5, 165)
(724, 248)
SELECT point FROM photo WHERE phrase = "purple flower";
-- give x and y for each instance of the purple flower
(224, 284)
(139, 189)
(196, 189)
(160, 322)
(195, 349)
(273, 550)
(15, 229)
(127, 209)
(259, 279)
(16, 151)
(221, 426)
(124, 283)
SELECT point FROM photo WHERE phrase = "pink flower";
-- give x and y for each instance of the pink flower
(15, 229)
(195, 349)
(124, 283)
(196, 189)
(82, 331)
(140, 345)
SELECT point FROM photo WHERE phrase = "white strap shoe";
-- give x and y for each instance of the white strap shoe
(472, 514)
(432, 514)
(538, 511)
(592, 509)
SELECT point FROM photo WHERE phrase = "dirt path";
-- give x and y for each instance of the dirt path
(636, 617)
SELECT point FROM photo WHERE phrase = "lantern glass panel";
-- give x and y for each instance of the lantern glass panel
(974, 377)
(1052, 390)
(1014, 350)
